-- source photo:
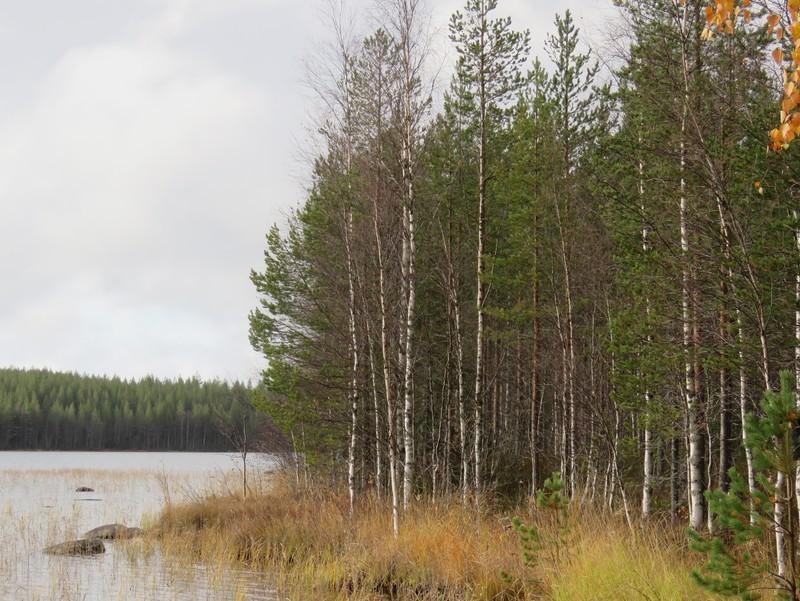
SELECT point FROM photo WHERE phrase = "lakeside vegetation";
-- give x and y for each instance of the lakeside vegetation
(307, 538)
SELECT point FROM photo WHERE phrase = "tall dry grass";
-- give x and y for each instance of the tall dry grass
(444, 551)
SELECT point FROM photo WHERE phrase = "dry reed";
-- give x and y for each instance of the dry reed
(311, 545)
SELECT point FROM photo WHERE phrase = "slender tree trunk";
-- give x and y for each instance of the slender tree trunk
(724, 411)
(563, 455)
(462, 412)
(351, 460)
(780, 532)
(376, 410)
(647, 479)
(695, 470)
(696, 508)
(534, 429)
(406, 20)
(391, 442)
(743, 408)
(408, 407)
(647, 483)
(796, 218)
(724, 430)
(694, 459)
(674, 485)
(480, 296)
(569, 352)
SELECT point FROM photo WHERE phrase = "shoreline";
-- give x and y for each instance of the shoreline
(307, 539)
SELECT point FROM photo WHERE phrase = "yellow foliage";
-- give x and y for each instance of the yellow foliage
(722, 16)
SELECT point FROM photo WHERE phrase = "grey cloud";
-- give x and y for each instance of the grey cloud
(145, 147)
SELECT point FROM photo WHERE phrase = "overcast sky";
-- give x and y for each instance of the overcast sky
(145, 148)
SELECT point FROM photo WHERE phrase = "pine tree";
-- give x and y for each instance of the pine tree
(744, 515)
(490, 58)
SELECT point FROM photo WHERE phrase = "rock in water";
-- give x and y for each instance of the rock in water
(91, 546)
(113, 531)
(84, 489)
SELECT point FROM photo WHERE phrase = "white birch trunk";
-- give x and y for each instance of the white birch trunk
(375, 407)
(780, 532)
(568, 355)
(694, 459)
(387, 378)
(694, 468)
(647, 485)
(647, 479)
(743, 409)
(462, 413)
(409, 234)
(351, 459)
(408, 408)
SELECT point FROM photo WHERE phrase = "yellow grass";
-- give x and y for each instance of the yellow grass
(307, 539)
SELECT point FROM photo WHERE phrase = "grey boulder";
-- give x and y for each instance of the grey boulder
(113, 531)
(91, 546)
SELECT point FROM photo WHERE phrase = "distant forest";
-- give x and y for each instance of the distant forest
(41, 409)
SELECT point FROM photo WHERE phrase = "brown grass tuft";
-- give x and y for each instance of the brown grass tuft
(444, 551)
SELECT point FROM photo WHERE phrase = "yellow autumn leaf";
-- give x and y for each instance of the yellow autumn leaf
(777, 55)
(776, 139)
(772, 20)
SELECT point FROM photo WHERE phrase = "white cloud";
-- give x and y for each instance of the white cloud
(145, 148)
(136, 186)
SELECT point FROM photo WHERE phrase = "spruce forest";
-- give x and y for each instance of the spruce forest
(41, 409)
(563, 259)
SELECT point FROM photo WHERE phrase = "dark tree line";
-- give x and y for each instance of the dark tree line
(41, 409)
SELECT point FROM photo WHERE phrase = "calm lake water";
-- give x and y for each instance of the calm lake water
(39, 507)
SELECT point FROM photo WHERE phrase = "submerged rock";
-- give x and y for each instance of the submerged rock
(84, 489)
(113, 531)
(91, 546)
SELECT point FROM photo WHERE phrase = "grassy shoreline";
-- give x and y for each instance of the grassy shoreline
(307, 539)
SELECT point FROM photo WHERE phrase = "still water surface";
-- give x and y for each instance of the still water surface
(39, 507)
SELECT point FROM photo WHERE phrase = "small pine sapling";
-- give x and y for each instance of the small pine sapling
(535, 541)
(743, 515)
